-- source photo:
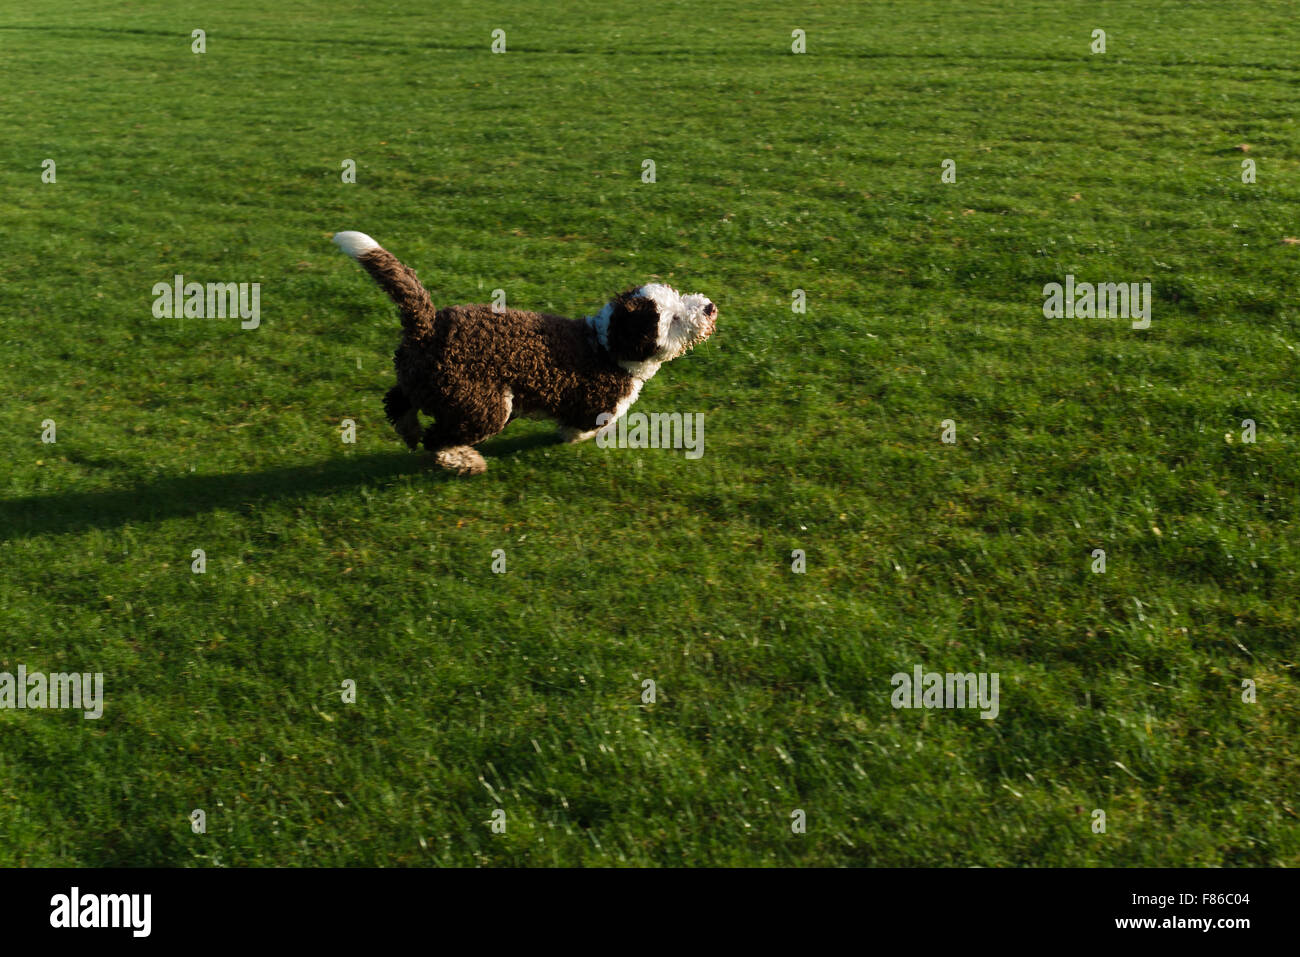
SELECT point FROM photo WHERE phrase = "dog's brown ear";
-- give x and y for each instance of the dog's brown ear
(633, 327)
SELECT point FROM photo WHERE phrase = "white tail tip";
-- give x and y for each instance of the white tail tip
(354, 243)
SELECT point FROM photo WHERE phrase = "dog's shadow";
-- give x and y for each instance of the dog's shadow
(187, 495)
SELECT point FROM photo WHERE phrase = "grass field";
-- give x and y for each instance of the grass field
(1121, 691)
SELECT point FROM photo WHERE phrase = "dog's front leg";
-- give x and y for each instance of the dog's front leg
(572, 434)
(573, 430)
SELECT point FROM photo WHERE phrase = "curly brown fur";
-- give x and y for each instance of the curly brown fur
(473, 368)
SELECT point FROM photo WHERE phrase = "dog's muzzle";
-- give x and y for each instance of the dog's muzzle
(710, 320)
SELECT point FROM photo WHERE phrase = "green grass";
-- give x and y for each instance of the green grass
(476, 691)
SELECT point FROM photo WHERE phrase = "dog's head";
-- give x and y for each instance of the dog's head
(654, 323)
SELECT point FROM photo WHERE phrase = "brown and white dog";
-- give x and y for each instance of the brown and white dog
(474, 368)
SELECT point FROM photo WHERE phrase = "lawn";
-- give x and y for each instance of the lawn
(522, 691)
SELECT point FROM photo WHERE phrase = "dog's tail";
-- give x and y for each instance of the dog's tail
(397, 280)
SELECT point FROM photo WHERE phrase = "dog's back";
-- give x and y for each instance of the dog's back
(550, 364)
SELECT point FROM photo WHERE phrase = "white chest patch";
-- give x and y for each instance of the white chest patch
(641, 371)
(626, 402)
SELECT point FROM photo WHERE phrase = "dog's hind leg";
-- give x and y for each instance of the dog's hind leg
(451, 438)
(403, 415)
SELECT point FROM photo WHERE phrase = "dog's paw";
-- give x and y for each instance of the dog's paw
(461, 459)
(571, 435)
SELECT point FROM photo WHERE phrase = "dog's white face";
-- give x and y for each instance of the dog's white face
(645, 327)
